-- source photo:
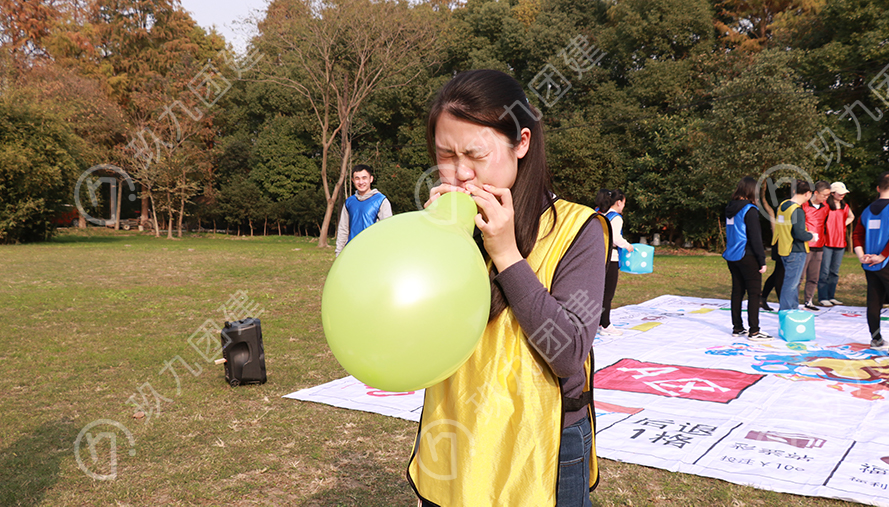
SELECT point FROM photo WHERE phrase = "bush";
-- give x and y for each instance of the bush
(40, 158)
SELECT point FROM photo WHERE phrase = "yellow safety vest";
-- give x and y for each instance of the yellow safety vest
(783, 225)
(490, 433)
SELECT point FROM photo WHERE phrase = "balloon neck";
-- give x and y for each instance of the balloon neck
(455, 208)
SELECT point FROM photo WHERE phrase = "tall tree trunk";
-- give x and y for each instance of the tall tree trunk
(279, 228)
(170, 215)
(157, 231)
(181, 213)
(250, 223)
(143, 217)
(331, 200)
(265, 226)
(117, 207)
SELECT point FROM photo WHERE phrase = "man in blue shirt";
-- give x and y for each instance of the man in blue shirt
(362, 209)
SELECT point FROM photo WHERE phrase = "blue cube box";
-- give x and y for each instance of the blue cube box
(639, 261)
(796, 325)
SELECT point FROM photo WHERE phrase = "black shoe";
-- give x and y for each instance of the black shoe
(765, 305)
(879, 344)
(812, 308)
(736, 333)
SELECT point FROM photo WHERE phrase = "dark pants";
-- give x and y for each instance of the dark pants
(877, 288)
(574, 465)
(775, 281)
(746, 278)
(611, 275)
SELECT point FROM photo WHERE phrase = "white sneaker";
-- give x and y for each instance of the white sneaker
(759, 336)
(825, 303)
(610, 330)
(835, 302)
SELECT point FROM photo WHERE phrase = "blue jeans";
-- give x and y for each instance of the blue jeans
(574, 465)
(830, 272)
(793, 271)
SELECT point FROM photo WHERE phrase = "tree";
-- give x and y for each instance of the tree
(336, 53)
(39, 161)
(752, 25)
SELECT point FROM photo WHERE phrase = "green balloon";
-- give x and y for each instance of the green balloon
(407, 300)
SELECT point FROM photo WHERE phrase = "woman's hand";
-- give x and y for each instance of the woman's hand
(762, 270)
(440, 190)
(496, 220)
(630, 248)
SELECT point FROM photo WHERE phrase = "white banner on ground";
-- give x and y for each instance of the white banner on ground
(676, 391)
(353, 394)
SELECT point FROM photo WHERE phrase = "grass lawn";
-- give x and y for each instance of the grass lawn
(93, 316)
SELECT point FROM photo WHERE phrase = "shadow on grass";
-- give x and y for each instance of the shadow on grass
(29, 467)
(69, 239)
(364, 482)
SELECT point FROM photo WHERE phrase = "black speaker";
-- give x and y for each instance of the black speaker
(243, 352)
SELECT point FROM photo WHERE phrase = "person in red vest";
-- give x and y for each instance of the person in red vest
(816, 215)
(870, 242)
(838, 218)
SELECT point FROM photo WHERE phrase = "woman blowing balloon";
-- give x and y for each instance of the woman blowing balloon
(512, 426)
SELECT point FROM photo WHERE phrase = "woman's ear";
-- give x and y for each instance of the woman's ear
(521, 148)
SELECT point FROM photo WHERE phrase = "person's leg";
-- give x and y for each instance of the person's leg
(780, 273)
(813, 271)
(737, 297)
(752, 279)
(793, 271)
(824, 272)
(876, 293)
(611, 274)
(770, 284)
(833, 276)
(805, 279)
(574, 465)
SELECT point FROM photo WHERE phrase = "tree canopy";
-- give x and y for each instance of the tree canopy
(673, 101)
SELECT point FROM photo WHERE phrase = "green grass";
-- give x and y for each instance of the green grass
(93, 315)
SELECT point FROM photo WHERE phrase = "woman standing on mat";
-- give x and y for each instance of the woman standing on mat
(839, 216)
(512, 426)
(611, 203)
(746, 258)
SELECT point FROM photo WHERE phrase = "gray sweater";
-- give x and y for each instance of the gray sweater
(573, 305)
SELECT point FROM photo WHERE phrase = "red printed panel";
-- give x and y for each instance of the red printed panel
(674, 381)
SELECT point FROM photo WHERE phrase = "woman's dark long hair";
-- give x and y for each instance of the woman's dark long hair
(746, 190)
(494, 99)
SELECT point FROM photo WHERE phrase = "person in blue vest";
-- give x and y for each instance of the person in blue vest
(746, 258)
(363, 209)
(870, 242)
(611, 204)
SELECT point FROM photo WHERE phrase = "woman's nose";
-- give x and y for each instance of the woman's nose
(464, 172)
